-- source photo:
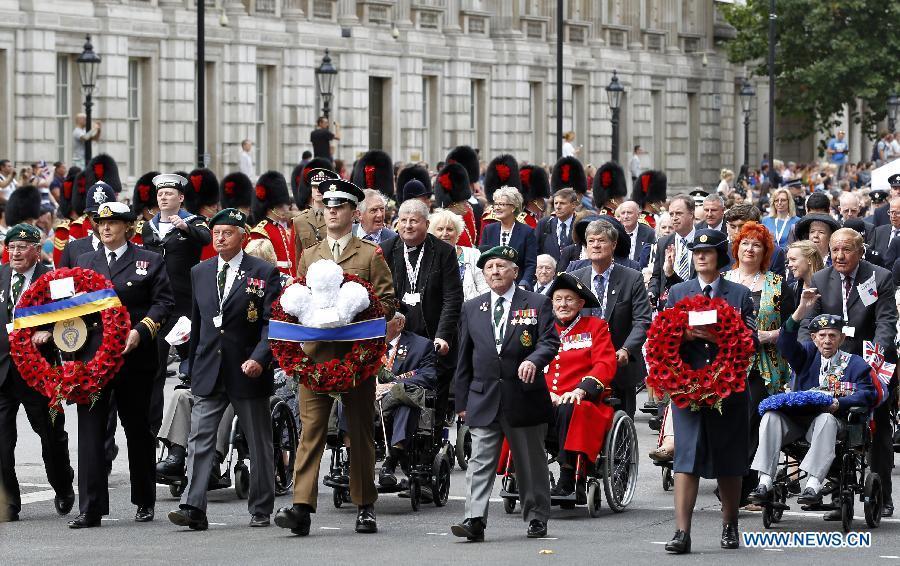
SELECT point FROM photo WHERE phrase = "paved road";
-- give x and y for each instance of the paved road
(634, 537)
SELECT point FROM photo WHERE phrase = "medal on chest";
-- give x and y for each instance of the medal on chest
(526, 339)
(252, 315)
(140, 267)
(255, 287)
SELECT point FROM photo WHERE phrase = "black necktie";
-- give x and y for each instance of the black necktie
(223, 274)
(707, 291)
(563, 230)
(112, 259)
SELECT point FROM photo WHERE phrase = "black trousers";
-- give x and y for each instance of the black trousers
(627, 394)
(881, 455)
(132, 387)
(756, 386)
(54, 439)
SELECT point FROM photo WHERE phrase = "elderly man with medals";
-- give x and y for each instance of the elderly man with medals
(577, 377)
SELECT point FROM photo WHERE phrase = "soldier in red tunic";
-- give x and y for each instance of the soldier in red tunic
(271, 206)
(609, 188)
(502, 171)
(536, 190)
(569, 173)
(649, 192)
(81, 225)
(577, 378)
(452, 191)
(202, 199)
(472, 208)
(66, 214)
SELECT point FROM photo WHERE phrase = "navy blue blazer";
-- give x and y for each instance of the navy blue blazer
(244, 335)
(525, 242)
(806, 361)
(487, 383)
(75, 249)
(547, 236)
(415, 353)
(6, 363)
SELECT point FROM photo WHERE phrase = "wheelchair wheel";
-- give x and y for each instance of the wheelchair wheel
(846, 512)
(780, 497)
(440, 490)
(176, 489)
(284, 440)
(874, 500)
(241, 481)
(667, 480)
(463, 447)
(593, 498)
(337, 498)
(509, 505)
(768, 514)
(620, 462)
(415, 493)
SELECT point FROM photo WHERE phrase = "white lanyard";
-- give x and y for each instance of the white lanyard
(845, 296)
(412, 274)
(780, 232)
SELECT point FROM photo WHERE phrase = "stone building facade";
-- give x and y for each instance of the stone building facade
(416, 77)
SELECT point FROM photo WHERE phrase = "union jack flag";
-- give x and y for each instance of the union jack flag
(882, 371)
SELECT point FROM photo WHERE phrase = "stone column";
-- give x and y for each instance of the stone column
(292, 9)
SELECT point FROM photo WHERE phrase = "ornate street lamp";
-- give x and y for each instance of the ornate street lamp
(88, 63)
(893, 103)
(325, 77)
(746, 94)
(614, 92)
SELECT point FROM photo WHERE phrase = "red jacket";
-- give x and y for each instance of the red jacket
(282, 240)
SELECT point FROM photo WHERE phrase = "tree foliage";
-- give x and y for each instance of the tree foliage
(828, 53)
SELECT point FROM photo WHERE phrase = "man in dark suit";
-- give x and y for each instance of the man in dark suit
(864, 292)
(624, 306)
(735, 218)
(886, 234)
(713, 214)
(879, 211)
(673, 257)
(639, 234)
(555, 232)
(411, 363)
(23, 244)
(230, 363)
(544, 273)
(371, 218)
(506, 339)
(179, 237)
(426, 280)
(140, 281)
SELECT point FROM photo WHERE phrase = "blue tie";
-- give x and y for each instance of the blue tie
(600, 291)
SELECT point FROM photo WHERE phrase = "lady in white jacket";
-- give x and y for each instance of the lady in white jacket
(447, 226)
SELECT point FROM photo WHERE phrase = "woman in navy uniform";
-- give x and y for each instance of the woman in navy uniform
(710, 444)
(142, 285)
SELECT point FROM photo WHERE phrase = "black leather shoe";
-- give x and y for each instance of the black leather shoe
(793, 487)
(144, 515)
(173, 465)
(85, 521)
(760, 495)
(259, 520)
(887, 509)
(294, 518)
(191, 518)
(566, 484)
(536, 529)
(833, 515)
(809, 496)
(64, 503)
(680, 543)
(365, 520)
(386, 476)
(471, 529)
(730, 536)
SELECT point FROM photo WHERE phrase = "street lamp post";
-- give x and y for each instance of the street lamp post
(201, 84)
(893, 103)
(614, 92)
(88, 63)
(746, 94)
(325, 76)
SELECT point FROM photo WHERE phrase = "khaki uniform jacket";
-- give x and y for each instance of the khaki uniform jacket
(363, 259)
(309, 229)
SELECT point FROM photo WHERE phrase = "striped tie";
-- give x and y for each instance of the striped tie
(682, 265)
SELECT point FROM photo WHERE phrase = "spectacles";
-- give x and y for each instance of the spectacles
(18, 248)
(893, 212)
(565, 300)
(503, 204)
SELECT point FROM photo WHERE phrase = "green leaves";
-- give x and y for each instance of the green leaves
(828, 54)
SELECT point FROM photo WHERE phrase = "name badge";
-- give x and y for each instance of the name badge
(217, 321)
(9, 328)
(412, 299)
(849, 331)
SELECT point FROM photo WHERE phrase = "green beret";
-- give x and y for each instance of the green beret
(503, 252)
(229, 216)
(23, 233)
(825, 321)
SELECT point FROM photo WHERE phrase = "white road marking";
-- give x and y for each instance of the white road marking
(657, 542)
(548, 538)
(109, 519)
(437, 534)
(774, 549)
(44, 485)
(219, 524)
(890, 556)
(330, 528)
(463, 498)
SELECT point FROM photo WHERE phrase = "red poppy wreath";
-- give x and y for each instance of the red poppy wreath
(338, 375)
(710, 385)
(73, 381)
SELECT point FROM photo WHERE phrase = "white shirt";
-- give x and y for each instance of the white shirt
(8, 189)
(633, 238)
(164, 228)
(823, 371)
(341, 242)
(635, 166)
(507, 301)
(568, 150)
(714, 284)
(234, 265)
(245, 164)
(120, 251)
(95, 243)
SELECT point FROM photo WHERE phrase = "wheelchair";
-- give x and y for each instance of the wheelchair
(285, 438)
(847, 479)
(427, 462)
(666, 468)
(616, 468)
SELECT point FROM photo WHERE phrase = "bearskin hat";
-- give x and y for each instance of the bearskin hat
(236, 191)
(609, 183)
(409, 173)
(535, 183)
(103, 168)
(300, 185)
(374, 170)
(143, 195)
(202, 190)
(468, 158)
(451, 185)
(68, 190)
(24, 204)
(79, 193)
(569, 173)
(650, 187)
(271, 191)
(502, 171)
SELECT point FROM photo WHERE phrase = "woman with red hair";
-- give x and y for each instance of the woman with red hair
(773, 301)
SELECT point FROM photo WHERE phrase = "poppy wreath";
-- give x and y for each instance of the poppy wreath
(74, 381)
(710, 385)
(338, 375)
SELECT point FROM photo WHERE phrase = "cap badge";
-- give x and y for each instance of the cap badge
(703, 238)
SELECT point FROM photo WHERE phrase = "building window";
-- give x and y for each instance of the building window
(134, 117)
(323, 9)
(537, 121)
(62, 107)
(478, 113)
(261, 108)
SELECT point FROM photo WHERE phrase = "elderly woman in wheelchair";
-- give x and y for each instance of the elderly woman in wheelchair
(818, 366)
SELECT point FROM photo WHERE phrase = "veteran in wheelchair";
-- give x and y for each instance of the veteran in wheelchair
(830, 440)
(591, 441)
(406, 430)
